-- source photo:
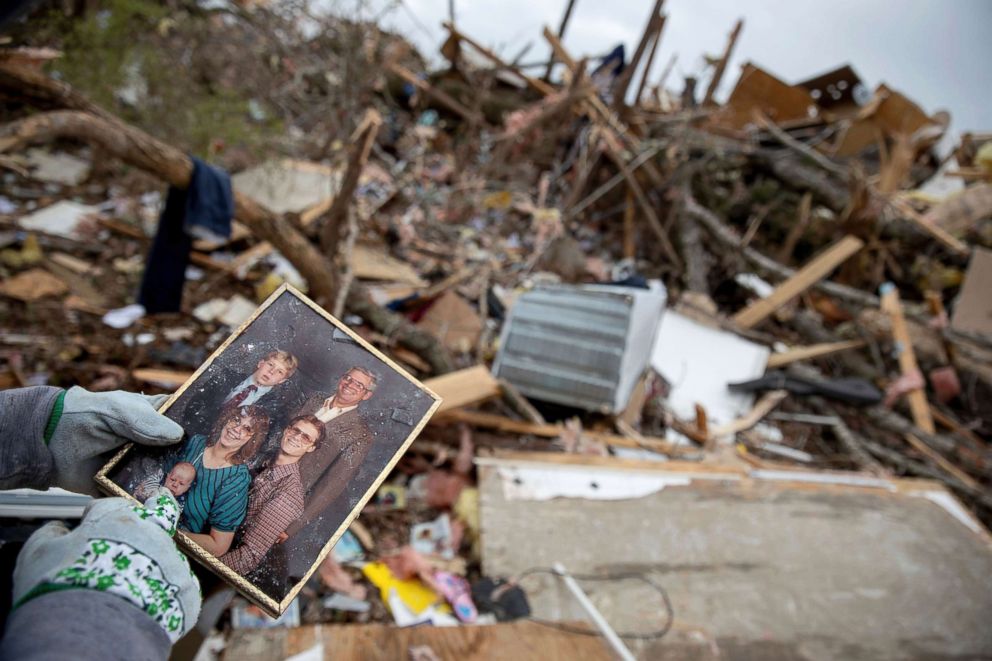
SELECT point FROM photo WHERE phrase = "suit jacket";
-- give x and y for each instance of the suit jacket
(326, 471)
(200, 406)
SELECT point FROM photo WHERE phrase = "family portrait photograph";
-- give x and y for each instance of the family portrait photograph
(289, 428)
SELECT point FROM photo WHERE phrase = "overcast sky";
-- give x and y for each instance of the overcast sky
(937, 52)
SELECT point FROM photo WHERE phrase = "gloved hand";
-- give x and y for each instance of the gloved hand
(94, 423)
(121, 549)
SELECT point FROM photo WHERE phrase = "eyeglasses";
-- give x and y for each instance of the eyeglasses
(350, 380)
(295, 431)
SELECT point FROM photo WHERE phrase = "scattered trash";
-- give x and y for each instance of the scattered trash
(69, 220)
(125, 316)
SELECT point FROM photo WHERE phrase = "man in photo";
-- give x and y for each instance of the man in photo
(326, 474)
(276, 497)
(268, 387)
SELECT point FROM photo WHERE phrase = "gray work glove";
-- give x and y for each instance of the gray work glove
(119, 548)
(94, 423)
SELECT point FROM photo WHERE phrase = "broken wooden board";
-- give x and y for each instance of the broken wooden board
(795, 354)
(452, 321)
(373, 642)
(918, 405)
(814, 271)
(758, 89)
(973, 309)
(464, 387)
(371, 263)
(33, 285)
(500, 423)
(168, 379)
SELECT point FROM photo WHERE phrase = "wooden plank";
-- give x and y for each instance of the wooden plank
(500, 423)
(950, 242)
(441, 97)
(468, 386)
(538, 85)
(918, 405)
(595, 461)
(942, 462)
(721, 66)
(165, 378)
(796, 354)
(521, 639)
(814, 271)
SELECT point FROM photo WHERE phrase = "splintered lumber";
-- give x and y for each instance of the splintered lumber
(441, 97)
(623, 81)
(814, 271)
(363, 139)
(647, 64)
(777, 360)
(918, 405)
(727, 236)
(613, 151)
(561, 35)
(500, 423)
(765, 405)
(539, 85)
(464, 387)
(721, 66)
(950, 242)
(796, 231)
(941, 462)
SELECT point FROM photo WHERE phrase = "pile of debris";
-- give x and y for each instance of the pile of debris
(575, 264)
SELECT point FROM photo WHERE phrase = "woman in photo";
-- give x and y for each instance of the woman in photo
(276, 495)
(218, 499)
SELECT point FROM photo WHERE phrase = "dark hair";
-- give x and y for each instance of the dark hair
(313, 420)
(248, 450)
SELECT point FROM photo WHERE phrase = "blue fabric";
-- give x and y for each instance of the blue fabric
(218, 497)
(203, 210)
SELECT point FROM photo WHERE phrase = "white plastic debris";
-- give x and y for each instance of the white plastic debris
(125, 316)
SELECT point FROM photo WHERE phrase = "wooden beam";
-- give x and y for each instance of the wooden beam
(441, 97)
(721, 66)
(814, 271)
(539, 85)
(943, 236)
(464, 387)
(942, 462)
(796, 354)
(500, 423)
(613, 151)
(918, 405)
(650, 60)
(362, 141)
(623, 82)
(561, 35)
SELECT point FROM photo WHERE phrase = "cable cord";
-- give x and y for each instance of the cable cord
(634, 635)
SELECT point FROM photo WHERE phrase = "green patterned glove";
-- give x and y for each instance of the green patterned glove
(119, 548)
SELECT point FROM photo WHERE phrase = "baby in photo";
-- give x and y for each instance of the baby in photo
(178, 481)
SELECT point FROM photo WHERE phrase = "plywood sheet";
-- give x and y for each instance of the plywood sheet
(370, 642)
